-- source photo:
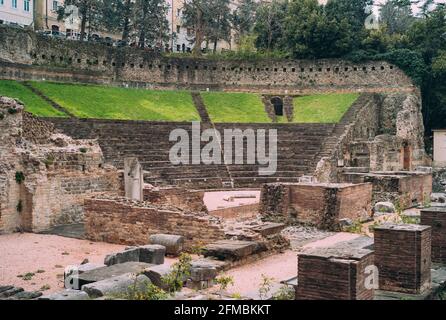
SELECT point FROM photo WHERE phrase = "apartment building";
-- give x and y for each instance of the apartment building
(18, 12)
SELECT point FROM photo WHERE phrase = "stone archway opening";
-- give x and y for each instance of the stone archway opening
(277, 102)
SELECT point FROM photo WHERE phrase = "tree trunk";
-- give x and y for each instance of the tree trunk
(126, 28)
(83, 26)
(199, 36)
(215, 45)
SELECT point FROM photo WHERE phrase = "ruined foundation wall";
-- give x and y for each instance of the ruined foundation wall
(177, 197)
(381, 132)
(320, 205)
(45, 176)
(27, 55)
(123, 221)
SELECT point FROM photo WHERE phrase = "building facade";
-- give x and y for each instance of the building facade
(19, 12)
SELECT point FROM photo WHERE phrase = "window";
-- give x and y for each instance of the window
(14, 4)
(2, 2)
(55, 5)
(178, 29)
(26, 5)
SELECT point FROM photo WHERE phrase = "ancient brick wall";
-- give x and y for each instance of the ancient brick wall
(59, 60)
(405, 189)
(333, 275)
(177, 197)
(403, 257)
(45, 176)
(321, 205)
(436, 219)
(123, 221)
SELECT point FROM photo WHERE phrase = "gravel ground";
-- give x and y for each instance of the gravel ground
(46, 256)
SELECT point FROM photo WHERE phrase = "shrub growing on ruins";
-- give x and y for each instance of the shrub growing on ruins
(175, 279)
(265, 287)
(19, 206)
(19, 177)
(83, 150)
(2, 116)
(224, 282)
(12, 110)
(148, 293)
(285, 293)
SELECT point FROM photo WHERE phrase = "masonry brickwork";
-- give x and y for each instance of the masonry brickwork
(124, 221)
(436, 219)
(403, 257)
(44, 175)
(334, 274)
(26, 55)
(321, 205)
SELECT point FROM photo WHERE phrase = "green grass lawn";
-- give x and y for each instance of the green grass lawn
(33, 103)
(322, 108)
(101, 102)
(235, 107)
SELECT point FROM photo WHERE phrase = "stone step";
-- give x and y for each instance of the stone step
(232, 250)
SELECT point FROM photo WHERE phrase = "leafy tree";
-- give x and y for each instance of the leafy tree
(269, 24)
(89, 13)
(196, 16)
(243, 18)
(397, 16)
(219, 24)
(117, 15)
(150, 22)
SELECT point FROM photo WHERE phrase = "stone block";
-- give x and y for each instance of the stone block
(156, 274)
(268, 229)
(153, 254)
(174, 243)
(334, 274)
(203, 272)
(131, 255)
(67, 295)
(116, 286)
(232, 250)
(403, 257)
(110, 272)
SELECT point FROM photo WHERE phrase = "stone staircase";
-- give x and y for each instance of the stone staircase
(298, 146)
(201, 108)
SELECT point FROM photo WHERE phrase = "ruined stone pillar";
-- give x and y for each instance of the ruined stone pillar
(436, 218)
(403, 257)
(335, 274)
(133, 179)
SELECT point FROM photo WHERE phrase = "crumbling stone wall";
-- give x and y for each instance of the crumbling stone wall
(124, 221)
(439, 180)
(320, 205)
(45, 176)
(180, 198)
(27, 55)
(405, 189)
(380, 132)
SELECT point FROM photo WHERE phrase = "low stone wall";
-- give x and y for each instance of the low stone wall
(406, 189)
(123, 221)
(320, 205)
(436, 219)
(241, 212)
(176, 197)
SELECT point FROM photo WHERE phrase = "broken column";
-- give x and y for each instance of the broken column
(403, 257)
(436, 218)
(133, 179)
(335, 274)
(174, 243)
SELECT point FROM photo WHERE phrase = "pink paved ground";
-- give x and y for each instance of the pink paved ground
(23, 253)
(215, 200)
